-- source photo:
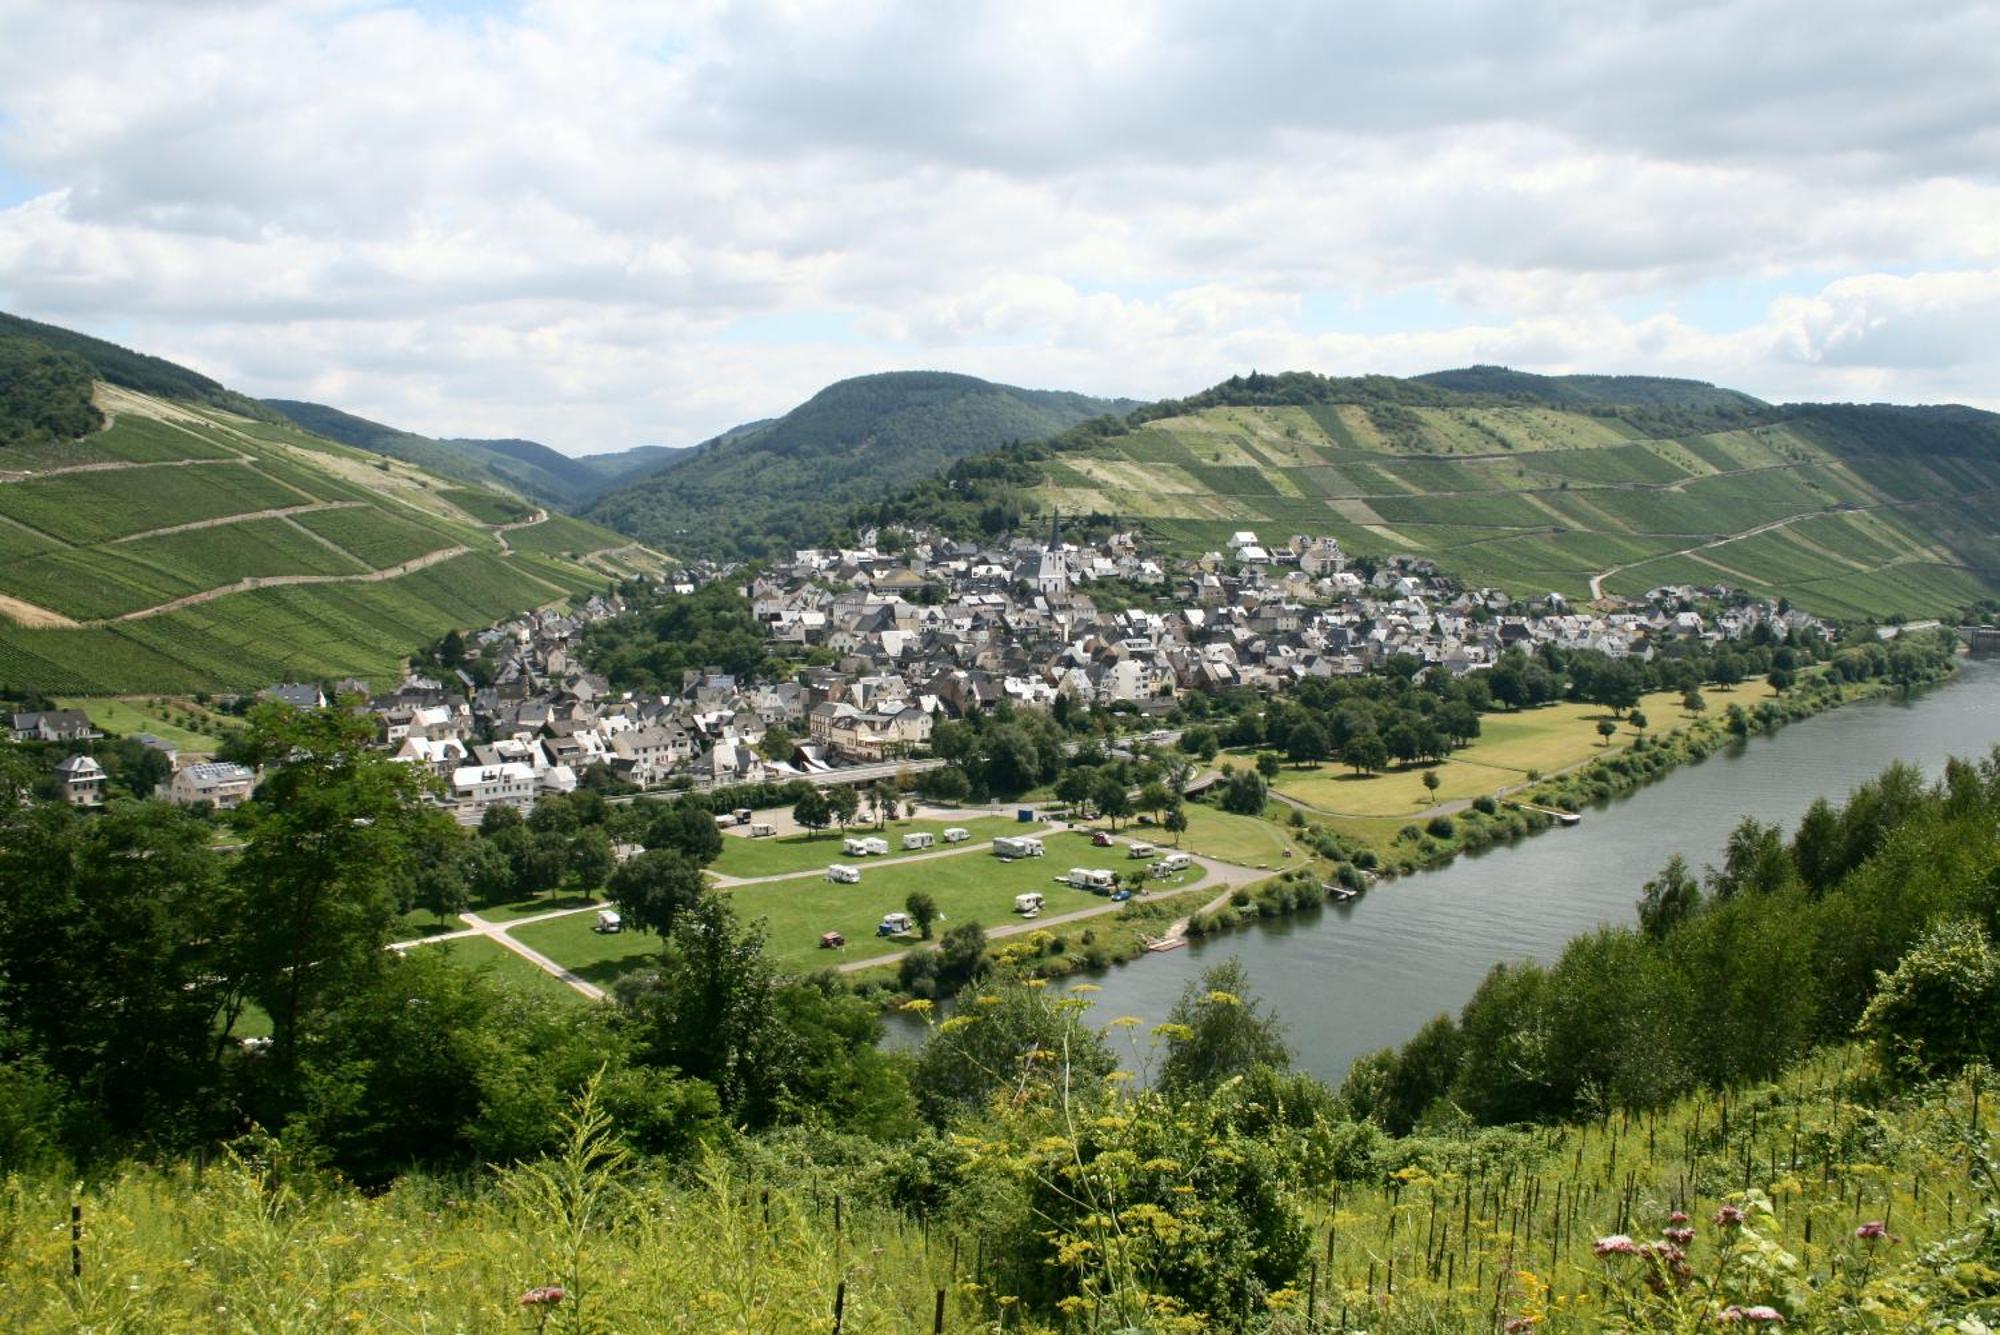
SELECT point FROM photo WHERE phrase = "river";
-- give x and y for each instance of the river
(1349, 979)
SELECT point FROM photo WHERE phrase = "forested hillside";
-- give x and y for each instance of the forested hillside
(787, 483)
(1536, 485)
(160, 542)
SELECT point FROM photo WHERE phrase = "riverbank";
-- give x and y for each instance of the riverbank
(1354, 861)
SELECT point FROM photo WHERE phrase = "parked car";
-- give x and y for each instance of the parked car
(1100, 840)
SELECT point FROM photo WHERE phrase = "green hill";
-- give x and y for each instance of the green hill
(781, 484)
(1535, 484)
(526, 466)
(185, 546)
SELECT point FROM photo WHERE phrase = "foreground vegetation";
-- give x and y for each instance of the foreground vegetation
(1771, 1099)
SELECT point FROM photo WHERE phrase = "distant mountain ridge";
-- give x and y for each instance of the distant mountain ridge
(766, 487)
(527, 466)
(1588, 391)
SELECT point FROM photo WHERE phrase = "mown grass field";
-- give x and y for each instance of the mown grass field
(969, 887)
(1535, 500)
(480, 954)
(182, 722)
(781, 855)
(1509, 748)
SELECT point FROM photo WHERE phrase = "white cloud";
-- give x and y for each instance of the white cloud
(550, 221)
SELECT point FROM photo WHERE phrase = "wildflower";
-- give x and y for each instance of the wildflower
(1729, 1216)
(1874, 1231)
(1757, 1313)
(1678, 1217)
(1615, 1245)
(1680, 1237)
(1519, 1325)
(547, 1295)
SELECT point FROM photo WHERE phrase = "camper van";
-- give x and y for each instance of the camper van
(861, 846)
(743, 815)
(609, 922)
(1139, 849)
(762, 829)
(895, 924)
(956, 836)
(1026, 846)
(842, 874)
(1028, 905)
(1088, 878)
(918, 839)
(1171, 863)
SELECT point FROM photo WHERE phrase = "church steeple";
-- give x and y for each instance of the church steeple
(1055, 529)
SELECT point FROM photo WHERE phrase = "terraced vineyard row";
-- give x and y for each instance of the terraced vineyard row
(1534, 499)
(170, 504)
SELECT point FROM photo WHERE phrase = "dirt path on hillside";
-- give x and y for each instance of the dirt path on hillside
(223, 521)
(33, 617)
(277, 581)
(500, 531)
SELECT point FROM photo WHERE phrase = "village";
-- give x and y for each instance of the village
(907, 632)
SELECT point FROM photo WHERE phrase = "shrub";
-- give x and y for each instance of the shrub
(1442, 827)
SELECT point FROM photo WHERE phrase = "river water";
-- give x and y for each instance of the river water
(1348, 979)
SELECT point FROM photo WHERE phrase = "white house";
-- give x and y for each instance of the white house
(477, 787)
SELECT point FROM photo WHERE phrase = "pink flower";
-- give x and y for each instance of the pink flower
(1678, 1217)
(1680, 1237)
(1755, 1314)
(1519, 1325)
(548, 1295)
(1615, 1245)
(1729, 1216)
(1874, 1231)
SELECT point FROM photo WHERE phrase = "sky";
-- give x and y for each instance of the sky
(600, 224)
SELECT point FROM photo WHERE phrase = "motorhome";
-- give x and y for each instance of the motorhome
(743, 815)
(954, 835)
(861, 846)
(918, 839)
(1140, 849)
(1026, 846)
(609, 922)
(1028, 905)
(762, 829)
(895, 924)
(1089, 878)
(842, 874)
(1172, 863)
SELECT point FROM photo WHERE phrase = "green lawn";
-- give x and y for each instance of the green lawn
(163, 716)
(971, 887)
(1249, 841)
(476, 952)
(1509, 746)
(528, 908)
(746, 857)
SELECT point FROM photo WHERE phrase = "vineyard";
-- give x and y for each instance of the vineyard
(186, 549)
(1890, 515)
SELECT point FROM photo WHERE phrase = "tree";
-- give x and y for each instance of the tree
(1176, 823)
(1075, 785)
(653, 889)
(812, 811)
(1307, 744)
(1269, 765)
(1111, 798)
(1782, 679)
(1668, 899)
(325, 839)
(1940, 1008)
(688, 829)
(1244, 794)
(590, 858)
(882, 797)
(1218, 1030)
(1366, 754)
(1155, 798)
(1607, 730)
(1025, 1040)
(1692, 701)
(486, 870)
(923, 909)
(1431, 782)
(437, 871)
(1637, 719)
(1200, 743)
(844, 802)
